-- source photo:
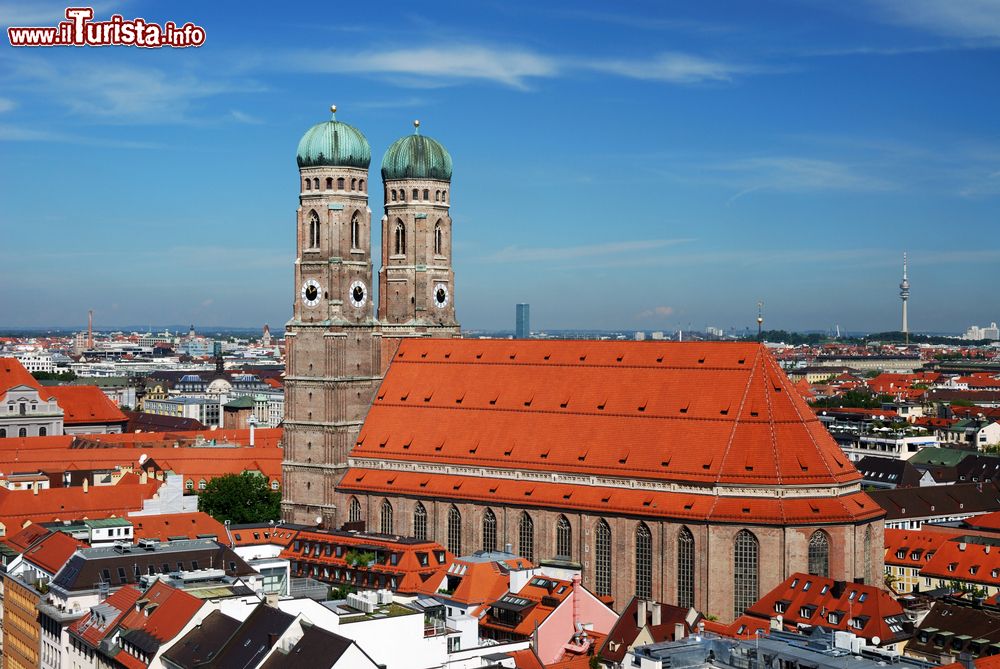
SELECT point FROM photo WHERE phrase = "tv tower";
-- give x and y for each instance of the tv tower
(904, 294)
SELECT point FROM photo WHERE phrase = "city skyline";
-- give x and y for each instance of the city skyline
(176, 172)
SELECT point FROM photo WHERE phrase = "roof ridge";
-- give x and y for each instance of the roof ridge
(736, 422)
(774, 437)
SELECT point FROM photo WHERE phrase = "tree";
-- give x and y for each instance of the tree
(240, 498)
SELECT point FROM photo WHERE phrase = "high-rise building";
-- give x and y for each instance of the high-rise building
(522, 326)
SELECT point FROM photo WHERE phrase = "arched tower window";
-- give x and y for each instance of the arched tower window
(444, 195)
(402, 195)
(438, 237)
(329, 183)
(416, 194)
(355, 231)
(643, 562)
(437, 195)
(868, 554)
(454, 531)
(746, 570)
(489, 531)
(313, 230)
(602, 558)
(564, 539)
(316, 183)
(386, 517)
(526, 537)
(42, 432)
(685, 568)
(400, 238)
(354, 510)
(420, 522)
(819, 554)
(427, 194)
(361, 185)
(354, 184)
(3, 433)
(23, 432)
(340, 183)
(308, 184)
(393, 194)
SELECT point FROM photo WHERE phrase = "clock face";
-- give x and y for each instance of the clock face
(358, 294)
(441, 296)
(310, 293)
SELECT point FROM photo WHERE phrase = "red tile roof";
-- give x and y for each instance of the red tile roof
(526, 659)
(543, 601)
(165, 611)
(766, 510)
(13, 373)
(52, 552)
(916, 547)
(103, 618)
(20, 507)
(594, 407)
(27, 537)
(481, 582)
(167, 526)
(803, 599)
(966, 559)
(86, 405)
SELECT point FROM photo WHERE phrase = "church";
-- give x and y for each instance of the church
(691, 473)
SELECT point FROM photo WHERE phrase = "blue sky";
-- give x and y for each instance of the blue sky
(646, 165)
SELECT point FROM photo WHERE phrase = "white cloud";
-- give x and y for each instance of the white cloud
(675, 68)
(243, 117)
(6, 105)
(656, 312)
(15, 133)
(553, 254)
(969, 19)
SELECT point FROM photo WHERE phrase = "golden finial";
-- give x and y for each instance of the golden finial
(416, 126)
(333, 109)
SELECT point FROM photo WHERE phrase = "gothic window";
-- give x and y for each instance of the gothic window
(355, 232)
(354, 184)
(313, 230)
(361, 185)
(340, 183)
(868, 553)
(437, 195)
(427, 194)
(400, 238)
(308, 184)
(819, 554)
(746, 563)
(444, 195)
(316, 183)
(564, 539)
(602, 558)
(526, 537)
(643, 562)
(454, 531)
(416, 194)
(329, 183)
(420, 522)
(437, 238)
(402, 195)
(489, 531)
(354, 511)
(685, 568)
(386, 517)
(393, 194)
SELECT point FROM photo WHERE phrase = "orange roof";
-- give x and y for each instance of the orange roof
(526, 659)
(766, 510)
(83, 405)
(595, 407)
(916, 547)
(103, 618)
(52, 552)
(19, 507)
(482, 582)
(545, 595)
(165, 611)
(25, 538)
(13, 373)
(172, 525)
(967, 559)
(804, 599)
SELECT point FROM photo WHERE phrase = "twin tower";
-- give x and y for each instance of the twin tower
(337, 350)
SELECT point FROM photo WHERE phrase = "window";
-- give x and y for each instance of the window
(400, 238)
(189, 485)
(602, 558)
(355, 231)
(316, 183)
(386, 517)
(564, 539)
(361, 185)
(438, 238)
(340, 183)
(42, 432)
(23, 432)
(819, 554)
(526, 537)
(643, 562)
(313, 230)
(868, 554)
(427, 194)
(420, 522)
(685, 568)
(489, 531)
(746, 560)
(202, 484)
(454, 531)
(393, 194)
(354, 184)
(3, 433)
(308, 184)
(416, 194)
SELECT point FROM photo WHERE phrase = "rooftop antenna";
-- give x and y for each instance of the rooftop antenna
(904, 295)
(760, 319)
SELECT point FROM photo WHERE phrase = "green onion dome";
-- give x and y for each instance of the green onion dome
(334, 144)
(416, 157)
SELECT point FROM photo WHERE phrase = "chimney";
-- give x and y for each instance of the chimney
(657, 615)
(678, 631)
(640, 613)
(508, 548)
(143, 479)
(86, 485)
(35, 488)
(576, 601)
